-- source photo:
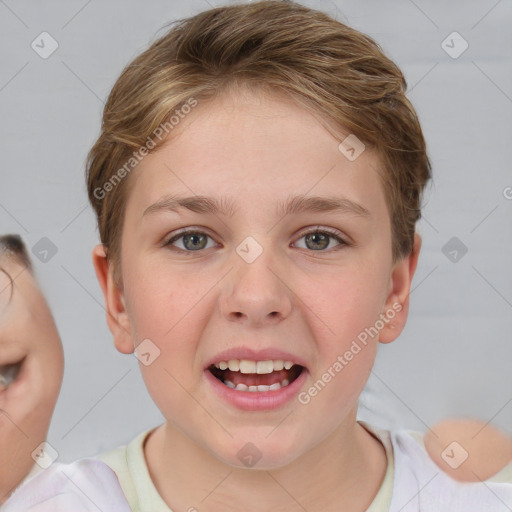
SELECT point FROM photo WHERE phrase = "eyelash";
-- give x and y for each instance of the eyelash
(325, 231)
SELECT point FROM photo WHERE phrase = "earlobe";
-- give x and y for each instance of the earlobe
(117, 316)
(396, 307)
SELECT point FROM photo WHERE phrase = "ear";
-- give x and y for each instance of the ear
(117, 317)
(396, 307)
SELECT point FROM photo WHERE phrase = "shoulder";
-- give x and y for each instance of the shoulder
(126, 459)
(469, 450)
(81, 486)
(129, 465)
(424, 485)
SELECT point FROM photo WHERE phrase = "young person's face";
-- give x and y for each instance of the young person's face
(303, 299)
(27, 335)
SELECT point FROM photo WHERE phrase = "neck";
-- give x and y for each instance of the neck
(348, 467)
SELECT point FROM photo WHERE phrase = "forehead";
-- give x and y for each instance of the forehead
(5, 286)
(16, 269)
(10, 268)
(254, 146)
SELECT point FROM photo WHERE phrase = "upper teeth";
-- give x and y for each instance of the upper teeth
(247, 366)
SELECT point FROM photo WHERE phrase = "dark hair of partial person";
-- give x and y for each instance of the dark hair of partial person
(14, 247)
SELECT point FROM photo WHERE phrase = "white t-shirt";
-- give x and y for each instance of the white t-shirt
(412, 483)
(87, 485)
(420, 485)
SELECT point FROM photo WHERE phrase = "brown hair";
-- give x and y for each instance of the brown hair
(334, 71)
(13, 247)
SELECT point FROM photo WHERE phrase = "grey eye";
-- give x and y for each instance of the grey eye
(191, 241)
(320, 240)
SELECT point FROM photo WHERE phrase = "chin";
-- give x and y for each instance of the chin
(259, 452)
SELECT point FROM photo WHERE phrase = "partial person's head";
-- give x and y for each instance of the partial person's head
(215, 128)
(31, 364)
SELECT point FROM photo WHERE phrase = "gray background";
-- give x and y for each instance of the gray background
(455, 354)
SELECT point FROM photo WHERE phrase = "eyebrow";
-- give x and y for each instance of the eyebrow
(227, 207)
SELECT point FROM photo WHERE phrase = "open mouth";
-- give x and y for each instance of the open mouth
(8, 374)
(256, 376)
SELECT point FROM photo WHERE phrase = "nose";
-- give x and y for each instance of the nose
(257, 293)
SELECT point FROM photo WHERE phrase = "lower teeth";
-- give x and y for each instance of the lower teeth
(254, 389)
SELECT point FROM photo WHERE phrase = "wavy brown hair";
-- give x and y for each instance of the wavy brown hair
(334, 71)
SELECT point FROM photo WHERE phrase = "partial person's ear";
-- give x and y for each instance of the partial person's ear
(468, 450)
(396, 308)
(117, 316)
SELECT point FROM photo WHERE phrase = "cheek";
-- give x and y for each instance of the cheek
(160, 304)
(347, 301)
(168, 308)
(342, 309)
(346, 349)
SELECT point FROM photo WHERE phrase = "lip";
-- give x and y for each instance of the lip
(256, 355)
(257, 400)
